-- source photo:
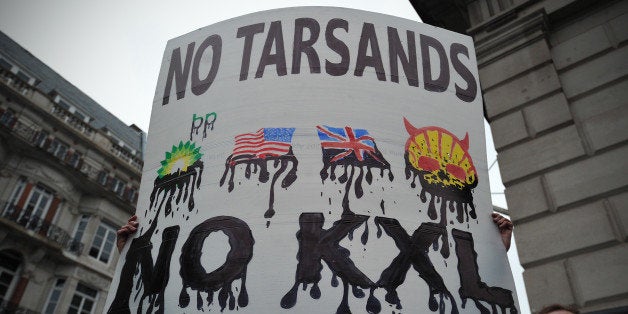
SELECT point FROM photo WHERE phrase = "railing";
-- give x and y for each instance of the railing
(27, 220)
(7, 307)
(69, 119)
(126, 156)
(29, 134)
(72, 121)
(12, 80)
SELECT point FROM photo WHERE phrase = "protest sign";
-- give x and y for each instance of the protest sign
(315, 160)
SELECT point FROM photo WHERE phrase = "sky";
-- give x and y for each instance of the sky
(112, 50)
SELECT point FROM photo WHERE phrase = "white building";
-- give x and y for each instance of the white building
(69, 174)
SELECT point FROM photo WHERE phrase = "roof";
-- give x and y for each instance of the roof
(52, 82)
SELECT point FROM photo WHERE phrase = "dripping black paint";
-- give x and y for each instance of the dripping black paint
(459, 200)
(471, 285)
(195, 276)
(152, 277)
(317, 245)
(181, 183)
(350, 148)
(255, 165)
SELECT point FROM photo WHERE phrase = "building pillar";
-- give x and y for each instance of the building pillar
(18, 292)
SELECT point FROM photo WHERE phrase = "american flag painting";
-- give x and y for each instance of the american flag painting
(266, 142)
(254, 152)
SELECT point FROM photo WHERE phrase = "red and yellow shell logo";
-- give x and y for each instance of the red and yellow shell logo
(441, 157)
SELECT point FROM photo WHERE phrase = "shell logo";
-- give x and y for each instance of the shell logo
(441, 156)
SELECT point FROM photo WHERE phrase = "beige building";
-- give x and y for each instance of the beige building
(69, 174)
(554, 76)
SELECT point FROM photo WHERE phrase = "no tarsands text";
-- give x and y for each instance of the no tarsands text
(404, 51)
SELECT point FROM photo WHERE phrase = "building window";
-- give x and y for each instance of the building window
(15, 196)
(83, 300)
(23, 76)
(62, 103)
(80, 227)
(130, 194)
(103, 243)
(54, 296)
(117, 186)
(102, 178)
(37, 206)
(58, 148)
(10, 263)
(76, 245)
(7, 118)
(40, 139)
(74, 159)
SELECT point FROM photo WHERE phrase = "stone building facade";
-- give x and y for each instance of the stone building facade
(554, 77)
(69, 174)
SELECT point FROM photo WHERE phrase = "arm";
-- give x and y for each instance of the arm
(126, 231)
(505, 228)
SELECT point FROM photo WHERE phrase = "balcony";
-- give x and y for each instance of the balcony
(53, 233)
(16, 83)
(33, 136)
(74, 122)
(99, 138)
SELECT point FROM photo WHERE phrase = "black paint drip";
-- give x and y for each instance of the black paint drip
(459, 199)
(349, 164)
(251, 161)
(317, 245)
(194, 275)
(181, 183)
(413, 251)
(153, 278)
(381, 205)
(471, 285)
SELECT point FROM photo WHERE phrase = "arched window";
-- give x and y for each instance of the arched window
(29, 205)
(10, 267)
(36, 206)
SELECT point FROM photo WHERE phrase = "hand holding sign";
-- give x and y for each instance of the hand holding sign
(126, 231)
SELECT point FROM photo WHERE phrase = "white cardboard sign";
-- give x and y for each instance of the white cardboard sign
(315, 160)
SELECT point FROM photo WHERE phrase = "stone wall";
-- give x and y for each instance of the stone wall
(555, 81)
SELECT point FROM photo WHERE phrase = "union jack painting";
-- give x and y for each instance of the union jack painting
(350, 149)
(349, 146)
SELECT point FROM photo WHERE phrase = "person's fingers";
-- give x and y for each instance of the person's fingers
(126, 230)
(133, 218)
